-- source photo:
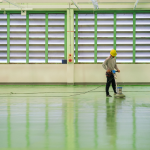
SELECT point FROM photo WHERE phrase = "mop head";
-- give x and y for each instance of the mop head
(119, 95)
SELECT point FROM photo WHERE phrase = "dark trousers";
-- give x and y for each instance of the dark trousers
(110, 79)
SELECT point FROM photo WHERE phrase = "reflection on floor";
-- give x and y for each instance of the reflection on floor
(70, 118)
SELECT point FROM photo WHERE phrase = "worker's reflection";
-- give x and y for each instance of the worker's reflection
(111, 121)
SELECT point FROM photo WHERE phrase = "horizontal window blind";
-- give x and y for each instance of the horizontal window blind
(3, 38)
(124, 37)
(47, 37)
(36, 38)
(56, 37)
(85, 38)
(105, 33)
(17, 38)
(142, 38)
(132, 39)
(47, 33)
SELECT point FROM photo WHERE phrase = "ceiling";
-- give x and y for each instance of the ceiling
(82, 4)
(78, 1)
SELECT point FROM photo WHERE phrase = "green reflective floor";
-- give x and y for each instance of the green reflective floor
(46, 117)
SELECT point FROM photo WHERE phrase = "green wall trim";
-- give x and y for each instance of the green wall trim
(113, 11)
(8, 38)
(32, 12)
(46, 37)
(27, 38)
(65, 51)
(115, 30)
(76, 45)
(134, 36)
(95, 39)
(13, 12)
(50, 12)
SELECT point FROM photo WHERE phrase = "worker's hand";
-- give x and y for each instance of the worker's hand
(118, 70)
(108, 70)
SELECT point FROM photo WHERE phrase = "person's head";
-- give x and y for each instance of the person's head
(113, 53)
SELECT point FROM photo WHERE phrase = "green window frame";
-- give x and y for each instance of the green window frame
(27, 32)
(115, 12)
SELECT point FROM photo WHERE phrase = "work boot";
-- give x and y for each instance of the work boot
(108, 96)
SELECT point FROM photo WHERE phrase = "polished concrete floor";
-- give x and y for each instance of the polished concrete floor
(74, 118)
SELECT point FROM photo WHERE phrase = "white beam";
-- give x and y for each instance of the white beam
(18, 8)
(102, 6)
(135, 4)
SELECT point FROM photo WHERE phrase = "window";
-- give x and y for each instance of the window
(105, 34)
(3, 38)
(36, 38)
(85, 38)
(131, 39)
(124, 38)
(56, 37)
(143, 38)
(17, 38)
(46, 41)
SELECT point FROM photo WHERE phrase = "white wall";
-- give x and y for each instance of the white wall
(132, 73)
(33, 73)
(83, 73)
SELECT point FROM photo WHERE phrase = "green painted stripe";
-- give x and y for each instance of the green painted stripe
(8, 38)
(27, 124)
(47, 123)
(27, 38)
(95, 40)
(65, 52)
(76, 46)
(134, 36)
(46, 38)
(13, 12)
(9, 142)
(115, 31)
(134, 124)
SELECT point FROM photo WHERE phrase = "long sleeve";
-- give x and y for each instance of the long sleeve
(116, 67)
(105, 64)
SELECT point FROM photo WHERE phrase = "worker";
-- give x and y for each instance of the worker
(109, 65)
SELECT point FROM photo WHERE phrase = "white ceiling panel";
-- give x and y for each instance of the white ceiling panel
(80, 1)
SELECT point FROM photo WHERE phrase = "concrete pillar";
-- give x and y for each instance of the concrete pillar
(70, 46)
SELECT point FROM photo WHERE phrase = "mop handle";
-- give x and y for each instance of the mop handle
(115, 79)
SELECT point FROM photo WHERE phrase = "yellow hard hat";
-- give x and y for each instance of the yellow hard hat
(113, 52)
